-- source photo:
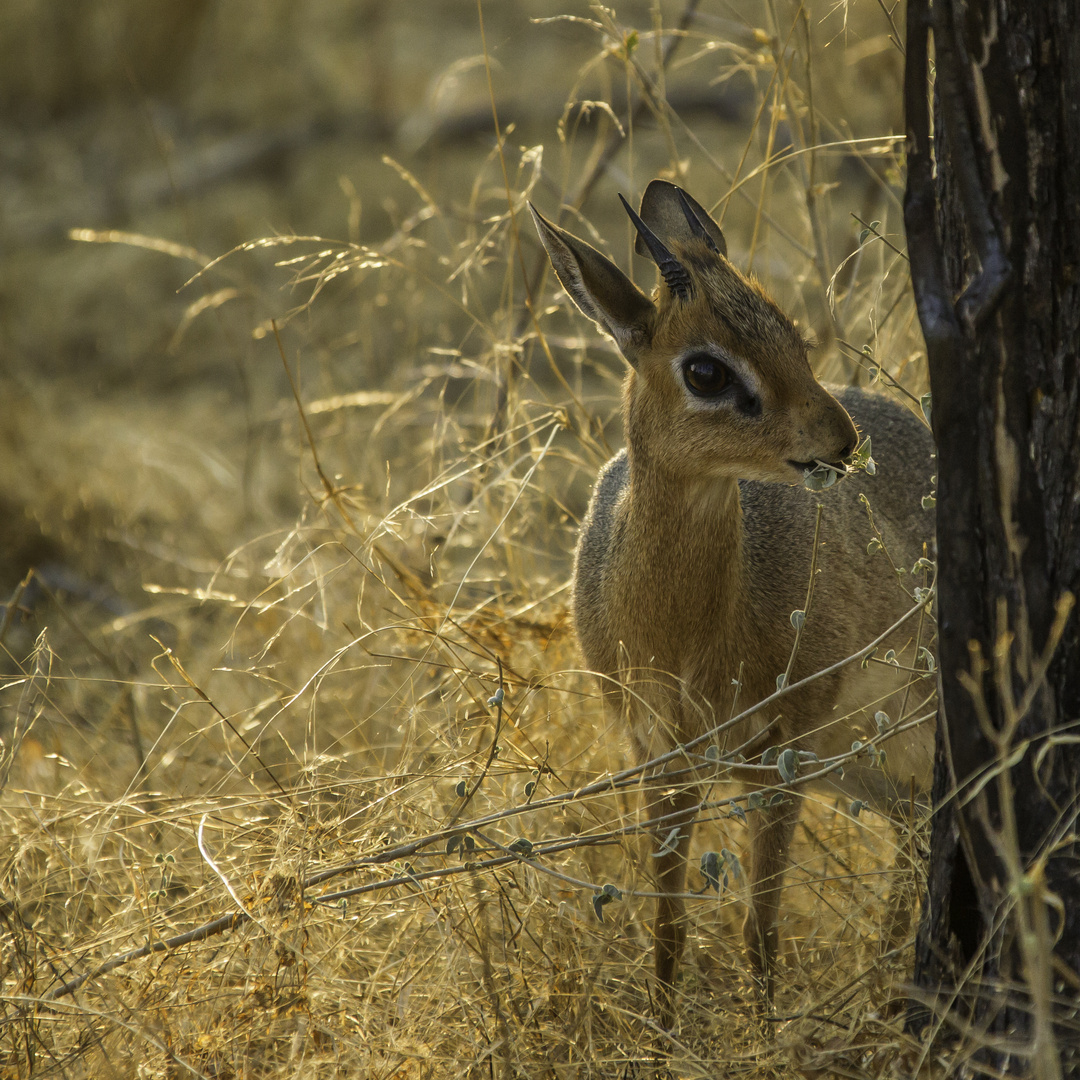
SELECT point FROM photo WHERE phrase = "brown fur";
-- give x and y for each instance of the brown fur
(697, 547)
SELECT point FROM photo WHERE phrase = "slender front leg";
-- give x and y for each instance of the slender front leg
(770, 839)
(669, 853)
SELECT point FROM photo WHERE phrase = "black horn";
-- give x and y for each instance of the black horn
(696, 227)
(671, 270)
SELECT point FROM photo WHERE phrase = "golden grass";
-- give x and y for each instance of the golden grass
(288, 674)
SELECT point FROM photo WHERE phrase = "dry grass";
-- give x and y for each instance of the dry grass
(262, 657)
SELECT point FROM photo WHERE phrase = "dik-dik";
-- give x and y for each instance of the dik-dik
(697, 547)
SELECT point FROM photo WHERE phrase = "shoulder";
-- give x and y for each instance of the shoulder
(610, 485)
(598, 525)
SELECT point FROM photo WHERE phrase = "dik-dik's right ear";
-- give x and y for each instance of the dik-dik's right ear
(602, 291)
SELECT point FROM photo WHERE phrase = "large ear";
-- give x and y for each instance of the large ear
(663, 211)
(599, 288)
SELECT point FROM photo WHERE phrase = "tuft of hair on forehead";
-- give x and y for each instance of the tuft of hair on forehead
(739, 302)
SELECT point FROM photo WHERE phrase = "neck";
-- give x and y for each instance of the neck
(690, 534)
(682, 553)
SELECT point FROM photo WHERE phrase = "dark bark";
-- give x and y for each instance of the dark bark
(992, 213)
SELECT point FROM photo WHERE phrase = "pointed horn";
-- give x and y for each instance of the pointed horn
(695, 222)
(673, 272)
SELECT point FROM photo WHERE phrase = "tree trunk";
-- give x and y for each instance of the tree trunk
(992, 213)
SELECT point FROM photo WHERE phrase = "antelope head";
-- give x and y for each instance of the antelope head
(720, 384)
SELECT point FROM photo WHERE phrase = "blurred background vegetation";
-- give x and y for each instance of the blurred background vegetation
(295, 431)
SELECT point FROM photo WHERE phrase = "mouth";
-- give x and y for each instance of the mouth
(818, 475)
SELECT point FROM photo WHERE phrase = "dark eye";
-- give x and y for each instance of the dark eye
(705, 376)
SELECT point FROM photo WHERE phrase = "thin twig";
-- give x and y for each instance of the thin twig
(809, 597)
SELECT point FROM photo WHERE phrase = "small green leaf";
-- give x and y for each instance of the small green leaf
(468, 843)
(882, 720)
(777, 799)
(731, 861)
(873, 546)
(929, 502)
(522, 846)
(788, 764)
(669, 843)
(927, 406)
(755, 801)
(497, 697)
(856, 807)
(712, 866)
(737, 812)
(461, 788)
(890, 658)
(798, 618)
(820, 478)
(712, 753)
(865, 662)
(530, 787)
(856, 746)
(781, 680)
(453, 844)
(608, 894)
(861, 457)
(770, 755)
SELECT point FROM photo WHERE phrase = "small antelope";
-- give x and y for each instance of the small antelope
(697, 547)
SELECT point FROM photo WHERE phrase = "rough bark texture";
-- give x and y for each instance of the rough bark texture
(993, 220)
